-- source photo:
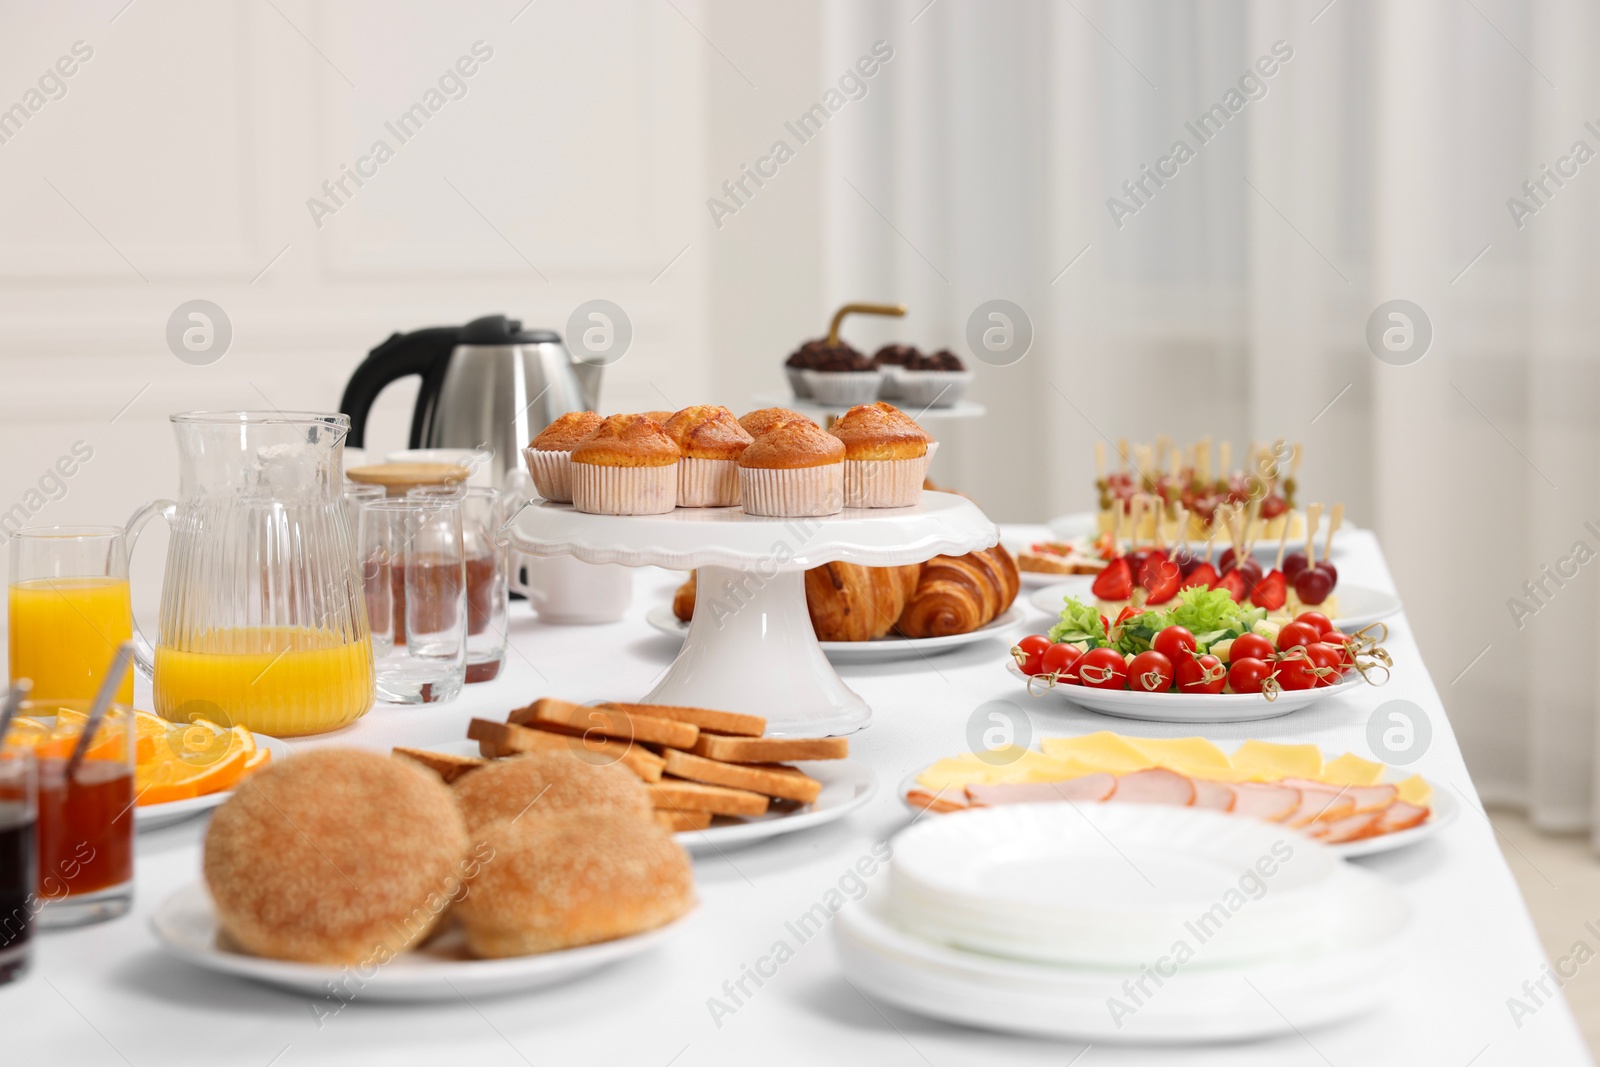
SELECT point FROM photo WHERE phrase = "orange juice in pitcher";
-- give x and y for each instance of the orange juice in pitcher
(263, 621)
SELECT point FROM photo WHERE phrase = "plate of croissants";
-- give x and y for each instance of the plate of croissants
(871, 614)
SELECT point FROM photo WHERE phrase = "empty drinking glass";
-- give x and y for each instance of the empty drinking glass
(413, 566)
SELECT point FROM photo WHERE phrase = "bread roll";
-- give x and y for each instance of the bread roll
(572, 879)
(337, 856)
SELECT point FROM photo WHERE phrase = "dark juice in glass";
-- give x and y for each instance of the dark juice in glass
(85, 827)
(16, 887)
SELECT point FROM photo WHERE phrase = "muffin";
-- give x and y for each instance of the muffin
(549, 456)
(658, 416)
(628, 466)
(570, 879)
(889, 359)
(711, 441)
(885, 456)
(842, 376)
(759, 422)
(337, 856)
(794, 468)
(811, 356)
(936, 380)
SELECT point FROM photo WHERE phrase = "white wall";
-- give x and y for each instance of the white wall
(191, 141)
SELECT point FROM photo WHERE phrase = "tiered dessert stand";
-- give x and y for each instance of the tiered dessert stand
(751, 646)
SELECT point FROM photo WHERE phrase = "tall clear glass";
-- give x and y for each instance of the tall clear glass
(84, 839)
(69, 608)
(488, 553)
(19, 814)
(263, 623)
(413, 565)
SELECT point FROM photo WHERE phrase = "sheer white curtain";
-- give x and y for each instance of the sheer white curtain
(1375, 163)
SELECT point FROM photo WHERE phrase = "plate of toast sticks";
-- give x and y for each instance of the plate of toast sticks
(715, 778)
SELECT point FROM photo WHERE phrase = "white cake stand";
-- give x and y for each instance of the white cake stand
(750, 645)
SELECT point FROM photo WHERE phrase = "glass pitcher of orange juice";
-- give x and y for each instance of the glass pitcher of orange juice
(263, 622)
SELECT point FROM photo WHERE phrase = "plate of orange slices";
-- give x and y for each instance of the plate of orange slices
(181, 768)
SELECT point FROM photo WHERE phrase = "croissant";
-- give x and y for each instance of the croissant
(959, 594)
(847, 602)
(852, 603)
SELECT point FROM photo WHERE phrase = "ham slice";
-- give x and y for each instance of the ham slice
(1317, 805)
(1218, 796)
(1365, 797)
(936, 804)
(1154, 785)
(1400, 816)
(1090, 787)
(1265, 800)
(1350, 828)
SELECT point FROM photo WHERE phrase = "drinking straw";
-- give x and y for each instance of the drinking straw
(19, 692)
(102, 700)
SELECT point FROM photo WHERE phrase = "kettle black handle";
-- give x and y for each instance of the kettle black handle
(423, 352)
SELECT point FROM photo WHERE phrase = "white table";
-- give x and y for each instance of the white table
(107, 994)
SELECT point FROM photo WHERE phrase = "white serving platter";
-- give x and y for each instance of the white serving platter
(1188, 707)
(847, 784)
(885, 649)
(1444, 810)
(186, 926)
(1359, 605)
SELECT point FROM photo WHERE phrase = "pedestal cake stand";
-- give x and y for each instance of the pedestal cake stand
(750, 645)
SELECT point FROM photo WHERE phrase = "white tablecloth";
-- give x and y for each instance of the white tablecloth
(107, 994)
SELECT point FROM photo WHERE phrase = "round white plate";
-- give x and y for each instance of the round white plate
(1189, 707)
(1084, 524)
(1108, 885)
(186, 926)
(882, 650)
(1197, 1004)
(1445, 810)
(1359, 605)
(155, 816)
(847, 784)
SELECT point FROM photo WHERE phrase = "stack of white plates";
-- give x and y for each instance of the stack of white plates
(1107, 922)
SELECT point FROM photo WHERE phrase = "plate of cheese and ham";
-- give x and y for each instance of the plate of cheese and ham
(1353, 805)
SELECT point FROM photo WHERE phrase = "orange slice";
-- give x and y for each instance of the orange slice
(188, 766)
(27, 731)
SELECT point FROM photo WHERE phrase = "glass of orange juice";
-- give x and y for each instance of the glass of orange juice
(69, 609)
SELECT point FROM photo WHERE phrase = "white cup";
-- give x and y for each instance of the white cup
(568, 592)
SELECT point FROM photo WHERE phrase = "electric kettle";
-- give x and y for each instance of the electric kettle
(488, 385)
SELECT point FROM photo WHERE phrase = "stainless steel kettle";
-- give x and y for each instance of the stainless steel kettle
(487, 385)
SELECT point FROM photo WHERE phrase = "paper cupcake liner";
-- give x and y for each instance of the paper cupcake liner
(794, 491)
(552, 474)
(708, 483)
(797, 382)
(933, 388)
(600, 490)
(927, 460)
(883, 483)
(889, 388)
(844, 388)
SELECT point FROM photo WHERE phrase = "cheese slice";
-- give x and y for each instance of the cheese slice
(1101, 751)
(1264, 761)
(1192, 756)
(997, 766)
(1415, 790)
(1351, 769)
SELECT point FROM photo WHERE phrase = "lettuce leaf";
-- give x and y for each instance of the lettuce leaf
(1080, 625)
